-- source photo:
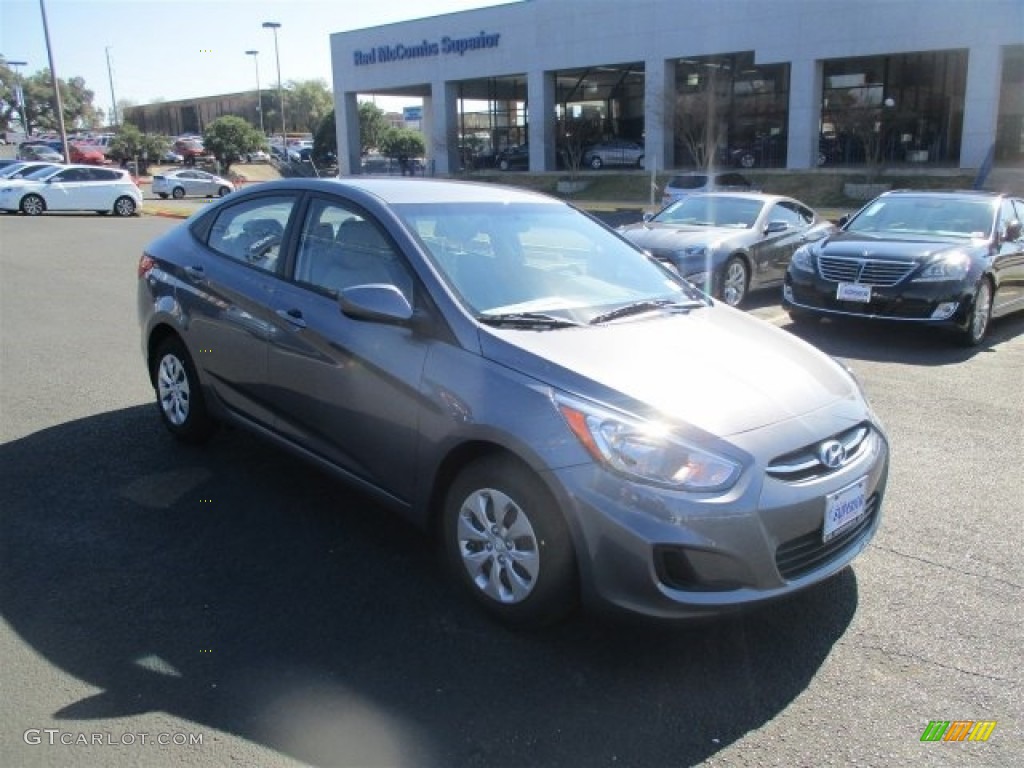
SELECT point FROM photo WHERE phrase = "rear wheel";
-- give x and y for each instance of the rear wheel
(747, 160)
(177, 193)
(508, 543)
(732, 288)
(503, 164)
(124, 206)
(223, 191)
(32, 205)
(596, 163)
(178, 394)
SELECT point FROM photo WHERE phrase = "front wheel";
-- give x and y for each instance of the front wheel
(124, 206)
(178, 394)
(732, 287)
(503, 165)
(508, 543)
(32, 205)
(747, 160)
(596, 163)
(981, 316)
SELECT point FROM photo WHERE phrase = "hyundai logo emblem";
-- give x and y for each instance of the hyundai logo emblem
(832, 453)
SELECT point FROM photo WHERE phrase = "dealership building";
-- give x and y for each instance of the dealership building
(783, 83)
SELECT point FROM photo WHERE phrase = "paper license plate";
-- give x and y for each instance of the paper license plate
(854, 292)
(844, 508)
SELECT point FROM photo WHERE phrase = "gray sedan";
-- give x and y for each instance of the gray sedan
(572, 422)
(729, 243)
(188, 181)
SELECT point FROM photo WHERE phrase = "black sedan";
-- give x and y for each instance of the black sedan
(729, 244)
(954, 259)
(514, 158)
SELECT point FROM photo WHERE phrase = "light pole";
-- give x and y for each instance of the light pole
(56, 83)
(113, 99)
(280, 91)
(19, 93)
(259, 94)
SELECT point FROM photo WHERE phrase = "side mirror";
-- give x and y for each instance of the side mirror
(648, 216)
(775, 226)
(843, 220)
(377, 302)
(1012, 231)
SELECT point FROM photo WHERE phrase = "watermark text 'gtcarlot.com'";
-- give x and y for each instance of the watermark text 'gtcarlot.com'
(55, 736)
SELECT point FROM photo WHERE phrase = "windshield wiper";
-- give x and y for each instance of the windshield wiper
(536, 320)
(647, 305)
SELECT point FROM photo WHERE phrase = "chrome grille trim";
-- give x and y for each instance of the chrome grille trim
(804, 463)
(881, 273)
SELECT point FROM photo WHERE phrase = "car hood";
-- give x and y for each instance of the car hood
(859, 245)
(714, 368)
(673, 237)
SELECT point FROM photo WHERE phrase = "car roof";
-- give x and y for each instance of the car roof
(965, 194)
(400, 191)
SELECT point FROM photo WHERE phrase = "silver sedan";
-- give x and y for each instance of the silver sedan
(188, 181)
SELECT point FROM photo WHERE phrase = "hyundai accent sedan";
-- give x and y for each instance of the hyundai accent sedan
(949, 259)
(729, 243)
(575, 423)
(189, 181)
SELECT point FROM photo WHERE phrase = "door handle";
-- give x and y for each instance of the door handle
(196, 273)
(293, 316)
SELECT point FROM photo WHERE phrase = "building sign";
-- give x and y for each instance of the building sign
(446, 46)
(412, 114)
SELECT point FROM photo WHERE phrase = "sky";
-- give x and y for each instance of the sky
(178, 49)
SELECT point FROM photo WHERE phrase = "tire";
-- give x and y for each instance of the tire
(179, 398)
(163, 195)
(596, 163)
(981, 315)
(734, 282)
(508, 544)
(124, 206)
(32, 205)
(223, 191)
(503, 165)
(177, 193)
(747, 160)
(640, 162)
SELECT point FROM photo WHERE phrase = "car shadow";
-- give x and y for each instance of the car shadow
(239, 589)
(906, 343)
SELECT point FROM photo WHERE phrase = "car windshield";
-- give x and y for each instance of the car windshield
(42, 173)
(935, 216)
(12, 169)
(709, 211)
(536, 261)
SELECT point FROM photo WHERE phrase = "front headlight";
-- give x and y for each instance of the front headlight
(646, 451)
(802, 259)
(952, 267)
(696, 251)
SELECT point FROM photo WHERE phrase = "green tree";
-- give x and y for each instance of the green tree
(129, 143)
(325, 140)
(229, 138)
(307, 103)
(372, 124)
(76, 99)
(10, 116)
(402, 142)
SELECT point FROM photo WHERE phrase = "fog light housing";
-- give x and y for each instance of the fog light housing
(945, 310)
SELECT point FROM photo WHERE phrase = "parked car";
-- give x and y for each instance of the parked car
(614, 152)
(684, 184)
(189, 149)
(771, 152)
(170, 157)
(573, 421)
(72, 188)
(85, 154)
(42, 152)
(515, 158)
(259, 156)
(951, 259)
(178, 183)
(729, 243)
(19, 169)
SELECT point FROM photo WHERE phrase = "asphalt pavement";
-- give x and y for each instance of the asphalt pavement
(233, 596)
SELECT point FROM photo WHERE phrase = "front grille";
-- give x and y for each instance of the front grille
(805, 463)
(875, 272)
(804, 554)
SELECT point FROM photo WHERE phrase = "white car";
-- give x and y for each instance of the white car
(188, 181)
(72, 188)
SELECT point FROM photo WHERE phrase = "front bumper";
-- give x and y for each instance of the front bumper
(942, 303)
(666, 554)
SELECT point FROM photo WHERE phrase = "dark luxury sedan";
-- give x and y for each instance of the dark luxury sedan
(729, 243)
(954, 259)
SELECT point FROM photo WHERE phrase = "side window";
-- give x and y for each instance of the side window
(1006, 215)
(71, 174)
(339, 248)
(252, 232)
(795, 215)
